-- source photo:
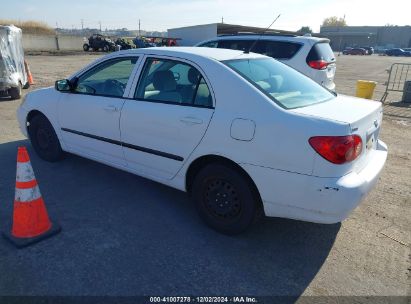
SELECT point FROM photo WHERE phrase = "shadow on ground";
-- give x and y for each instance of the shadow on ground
(5, 98)
(398, 110)
(125, 235)
(400, 104)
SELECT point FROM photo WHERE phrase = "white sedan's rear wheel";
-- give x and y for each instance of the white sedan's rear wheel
(224, 199)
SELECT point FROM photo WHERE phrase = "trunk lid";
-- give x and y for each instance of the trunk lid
(363, 116)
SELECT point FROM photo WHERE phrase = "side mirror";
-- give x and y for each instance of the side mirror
(63, 85)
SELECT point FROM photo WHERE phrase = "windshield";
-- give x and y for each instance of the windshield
(287, 87)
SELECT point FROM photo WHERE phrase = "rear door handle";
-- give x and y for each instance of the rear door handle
(191, 120)
(111, 108)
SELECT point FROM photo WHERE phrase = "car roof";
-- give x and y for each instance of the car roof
(300, 39)
(195, 52)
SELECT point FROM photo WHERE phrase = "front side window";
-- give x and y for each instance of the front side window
(173, 82)
(107, 79)
(284, 85)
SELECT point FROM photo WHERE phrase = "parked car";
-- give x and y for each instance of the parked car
(125, 44)
(355, 51)
(346, 49)
(397, 52)
(99, 42)
(242, 132)
(369, 49)
(142, 43)
(310, 55)
(13, 71)
(162, 41)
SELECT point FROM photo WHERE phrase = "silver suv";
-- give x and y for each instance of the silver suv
(311, 56)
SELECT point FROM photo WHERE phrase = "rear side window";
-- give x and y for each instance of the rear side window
(173, 82)
(277, 49)
(210, 44)
(274, 49)
(321, 51)
(241, 45)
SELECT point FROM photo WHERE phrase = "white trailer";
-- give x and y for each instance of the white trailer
(13, 74)
(191, 35)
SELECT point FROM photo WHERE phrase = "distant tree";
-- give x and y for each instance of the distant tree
(305, 30)
(334, 21)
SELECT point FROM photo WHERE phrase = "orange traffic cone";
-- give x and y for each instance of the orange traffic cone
(31, 223)
(29, 75)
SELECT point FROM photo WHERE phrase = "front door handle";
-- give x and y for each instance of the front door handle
(191, 120)
(111, 108)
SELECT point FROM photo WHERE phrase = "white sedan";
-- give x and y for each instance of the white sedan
(242, 133)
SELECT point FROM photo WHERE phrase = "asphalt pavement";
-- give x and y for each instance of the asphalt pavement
(124, 235)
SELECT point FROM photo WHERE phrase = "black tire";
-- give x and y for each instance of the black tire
(15, 93)
(106, 48)
(225, 199)
(86, 47)
(44, 139)
(26, 86)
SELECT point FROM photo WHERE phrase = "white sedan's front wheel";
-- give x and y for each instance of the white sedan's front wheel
(44, 139)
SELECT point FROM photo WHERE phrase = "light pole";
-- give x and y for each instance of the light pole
(339, 30)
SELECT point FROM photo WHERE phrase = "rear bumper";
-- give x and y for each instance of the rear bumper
(331, 86)
(316, 199)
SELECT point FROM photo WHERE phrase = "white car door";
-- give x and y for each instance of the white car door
(89, 115)
(167, 118)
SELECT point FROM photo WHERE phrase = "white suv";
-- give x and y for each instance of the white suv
(311, 56)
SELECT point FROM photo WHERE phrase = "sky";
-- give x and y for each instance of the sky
(163, 14)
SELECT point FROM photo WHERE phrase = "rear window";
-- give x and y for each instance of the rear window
(284, 85)
(321, 51)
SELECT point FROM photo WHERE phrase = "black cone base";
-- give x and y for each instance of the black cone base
(24, 242)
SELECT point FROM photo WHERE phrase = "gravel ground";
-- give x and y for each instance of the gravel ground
(124, 235)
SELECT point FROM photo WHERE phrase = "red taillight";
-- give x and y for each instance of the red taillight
(337, 149)
(318, 64)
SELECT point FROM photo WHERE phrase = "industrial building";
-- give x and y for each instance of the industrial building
(192, 35)
(379, 37)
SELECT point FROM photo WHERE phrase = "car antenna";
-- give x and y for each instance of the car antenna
(261, 35)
